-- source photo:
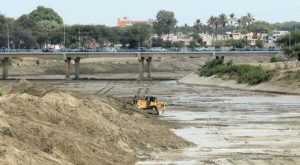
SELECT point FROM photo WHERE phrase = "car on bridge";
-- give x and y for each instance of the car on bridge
(3, 49)
(109, 49)
(200, 49)
(141, 49)
(157, 49)
(48, 50)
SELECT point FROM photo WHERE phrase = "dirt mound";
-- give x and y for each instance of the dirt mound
(43, 125)
(32, 89)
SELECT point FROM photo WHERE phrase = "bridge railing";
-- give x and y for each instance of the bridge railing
(135, 50)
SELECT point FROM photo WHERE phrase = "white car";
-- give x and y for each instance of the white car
(157, 49)
(201, 49)
(109, 49)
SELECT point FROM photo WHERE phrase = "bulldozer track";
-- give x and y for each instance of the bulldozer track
(146, 91)
(108, 90)
(99, 91)
(138, 93)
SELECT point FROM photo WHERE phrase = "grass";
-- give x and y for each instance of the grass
(293, 76)
(252, 75)
(2, 92)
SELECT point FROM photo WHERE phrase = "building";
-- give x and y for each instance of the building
(207, 39)
(270, 39)
(186, 39)
(125, 21)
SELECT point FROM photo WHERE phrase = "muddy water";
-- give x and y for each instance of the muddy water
(227, 126)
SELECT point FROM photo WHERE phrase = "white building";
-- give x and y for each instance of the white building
(271, 38)
(178, 38)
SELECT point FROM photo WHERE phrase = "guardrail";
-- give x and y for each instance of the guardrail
(136, 51)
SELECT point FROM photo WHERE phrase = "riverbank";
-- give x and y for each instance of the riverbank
(274, 87)
(41, 124)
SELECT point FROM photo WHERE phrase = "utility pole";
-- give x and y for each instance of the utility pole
(139, 35)
(7, 36)
(79, 39)
(64, 36)
(295, 34)
(290, 38)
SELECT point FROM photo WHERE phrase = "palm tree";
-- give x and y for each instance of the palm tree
(198, 26)
(214, 23)
(223, 20)
(242, 22)
(249, 20)
(232, 19)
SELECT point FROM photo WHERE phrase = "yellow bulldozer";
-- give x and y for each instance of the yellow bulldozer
(149, 104)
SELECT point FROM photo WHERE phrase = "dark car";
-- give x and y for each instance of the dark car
(141, 49)
(48, 50)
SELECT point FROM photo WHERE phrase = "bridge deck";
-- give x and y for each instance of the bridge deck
(126, 54)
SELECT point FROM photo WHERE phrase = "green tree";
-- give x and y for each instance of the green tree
(260, 27)
(43, 13)
(23, 38)
(165, 23)
(198, 26)
(44, 22)
(185, 29)
(136, 35)
(287, 26)
(232, 19)
(25, 21)
(197, 40)
(223, 20)
(214, 23)
(292, 38)
(6, 25)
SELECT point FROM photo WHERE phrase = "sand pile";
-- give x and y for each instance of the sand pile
(43, 125)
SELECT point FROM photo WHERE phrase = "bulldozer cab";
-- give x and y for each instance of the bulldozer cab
(150, 99)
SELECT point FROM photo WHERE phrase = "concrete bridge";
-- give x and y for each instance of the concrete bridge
(144, 58)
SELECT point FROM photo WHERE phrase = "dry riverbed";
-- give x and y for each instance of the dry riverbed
(228, 126)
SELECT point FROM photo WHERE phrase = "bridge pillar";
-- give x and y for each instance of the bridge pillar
(5, 67)
(141, 68)
(149, 59)
(68, 67)
(77, 67)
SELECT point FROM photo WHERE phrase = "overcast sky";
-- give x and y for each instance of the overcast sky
(186, 11)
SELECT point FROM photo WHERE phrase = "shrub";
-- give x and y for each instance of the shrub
(274, 59)
(9, 62)
(243, 73)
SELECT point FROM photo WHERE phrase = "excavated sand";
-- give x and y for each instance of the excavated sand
(43, 125)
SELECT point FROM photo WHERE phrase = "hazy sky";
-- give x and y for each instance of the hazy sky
(186, 11)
